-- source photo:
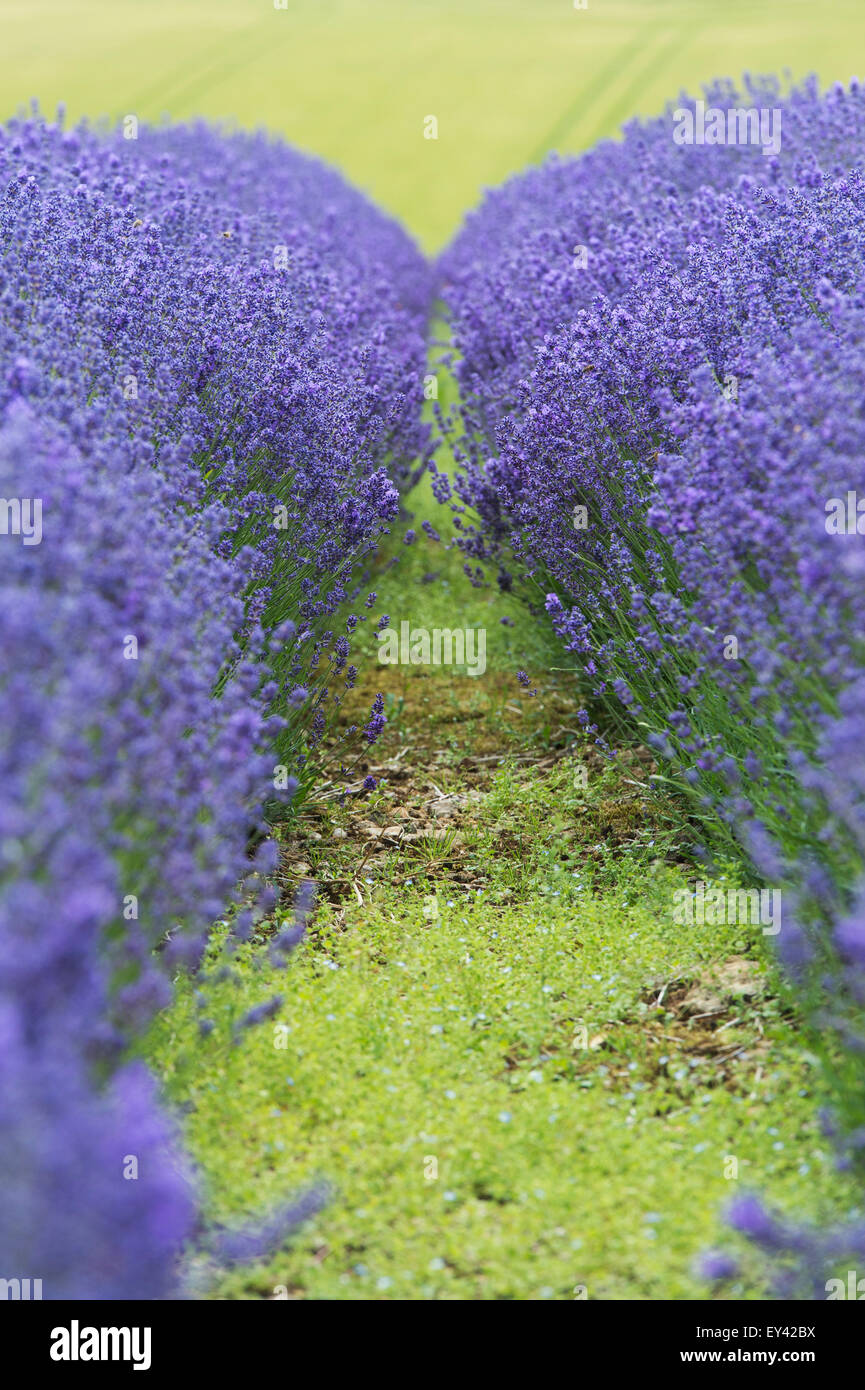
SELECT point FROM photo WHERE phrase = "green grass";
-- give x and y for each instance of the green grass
(486, 1045)
(430, 1062)
(352, 80)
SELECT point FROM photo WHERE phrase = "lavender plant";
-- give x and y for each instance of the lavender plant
(234, 313)
(587, 396)
(127, 791)
(211, 353)
(659, 433)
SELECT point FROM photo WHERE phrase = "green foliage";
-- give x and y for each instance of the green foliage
(542, 1052)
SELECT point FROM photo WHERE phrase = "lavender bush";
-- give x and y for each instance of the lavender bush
(659, 349)
(231, 312)
(630, 453)
(211, 353)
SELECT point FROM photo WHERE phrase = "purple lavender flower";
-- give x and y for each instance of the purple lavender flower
(209, 347)
(659, 354)
(377, 720)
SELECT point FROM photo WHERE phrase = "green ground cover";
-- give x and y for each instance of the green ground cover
(519, 1075)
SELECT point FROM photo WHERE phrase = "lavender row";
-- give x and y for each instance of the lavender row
(231, 312)
(211, 356)
(666, 473)
(661, 429)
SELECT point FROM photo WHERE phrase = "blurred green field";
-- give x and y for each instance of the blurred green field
(353, 80)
